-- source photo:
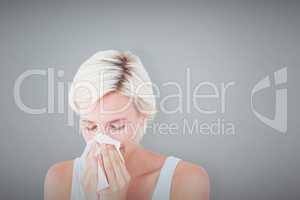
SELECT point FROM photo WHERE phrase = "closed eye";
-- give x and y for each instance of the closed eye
(92, 128)
(116, 127)
(89, 125)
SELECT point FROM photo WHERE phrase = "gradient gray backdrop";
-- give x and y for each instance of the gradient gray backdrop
(241, 41)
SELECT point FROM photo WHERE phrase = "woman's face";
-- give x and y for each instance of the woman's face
(114, 115)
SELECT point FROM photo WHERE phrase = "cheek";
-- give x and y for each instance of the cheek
(87, 136)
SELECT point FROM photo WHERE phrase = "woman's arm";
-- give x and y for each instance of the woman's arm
(190, 182)
(58, 181)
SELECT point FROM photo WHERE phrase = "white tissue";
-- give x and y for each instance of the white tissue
(103, 139)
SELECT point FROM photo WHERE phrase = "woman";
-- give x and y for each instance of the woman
(113, 95)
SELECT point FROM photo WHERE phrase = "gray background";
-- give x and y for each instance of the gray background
(241, 41)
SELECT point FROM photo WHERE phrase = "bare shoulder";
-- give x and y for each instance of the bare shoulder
(58, 181)
(190, 181)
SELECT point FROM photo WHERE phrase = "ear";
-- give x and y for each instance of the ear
(142, 118)
(139, 126)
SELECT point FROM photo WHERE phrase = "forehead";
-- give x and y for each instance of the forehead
(110, 107)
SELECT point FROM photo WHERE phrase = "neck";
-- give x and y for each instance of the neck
(137, 159)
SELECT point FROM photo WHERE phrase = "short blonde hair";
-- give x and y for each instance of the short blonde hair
(112, 70)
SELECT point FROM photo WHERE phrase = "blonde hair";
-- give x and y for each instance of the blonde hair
(108, 71)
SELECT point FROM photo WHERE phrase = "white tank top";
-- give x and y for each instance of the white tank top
(161, 191)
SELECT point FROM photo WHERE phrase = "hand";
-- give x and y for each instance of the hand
(89, 175)
(117, 174)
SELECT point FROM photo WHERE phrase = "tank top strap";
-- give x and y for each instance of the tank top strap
(76, 191)
(163, 186)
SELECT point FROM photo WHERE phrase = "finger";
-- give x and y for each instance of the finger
(116, 162)
(124, 171)
(122, 166)
(108, 168)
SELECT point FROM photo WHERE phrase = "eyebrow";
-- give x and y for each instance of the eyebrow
(115, 120)
(86, 120)
(111, 121)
